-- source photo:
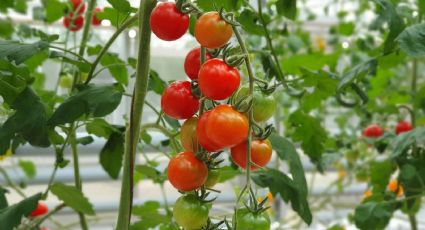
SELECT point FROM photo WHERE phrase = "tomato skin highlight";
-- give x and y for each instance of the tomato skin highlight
(178, 102)
(188, 136)
(261, 153)
(251, 221)
(40, 210)
(190, 213)
(76, 4)
(73, 25)
(167, 22)
(211, 31)
(96, 21)
(373, 131)
(186, 172)
(203, 138)
(226, 127)
(403, 126)
(192, 62)
(217, 80)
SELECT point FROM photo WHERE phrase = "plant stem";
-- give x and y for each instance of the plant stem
(133, 129)
(10, 183)
(414, 91)
(78, 184)
(413, 222)
(108, 44)
(270, 43)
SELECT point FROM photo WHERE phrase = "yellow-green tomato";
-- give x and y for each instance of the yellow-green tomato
(83, 76)
(66, 81)
(264, 106)
(190, 213)
(188, 135)
(213, 178)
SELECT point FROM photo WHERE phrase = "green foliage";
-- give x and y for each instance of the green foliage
(72, 197)
(97, 101)
(405, 140)
(10, 217)
(322, 85)
(3, 201)
(149, 215)
(6, 28)
(19, 52)
(112, 153)
(411, 40)
(249, 22)
(54, 10)
(287, 8)
(373, 215)
(28, 167)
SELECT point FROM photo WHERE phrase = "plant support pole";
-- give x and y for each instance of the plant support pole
(133, 128)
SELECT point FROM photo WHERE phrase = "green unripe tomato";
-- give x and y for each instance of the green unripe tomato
(190, 213)
(264, 106)
(65, 81)
(251, 221)
(213, 178)
(83, 76)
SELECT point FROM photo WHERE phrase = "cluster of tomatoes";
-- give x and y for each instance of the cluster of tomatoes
(74, 21)
(375, 131)
(206, 133)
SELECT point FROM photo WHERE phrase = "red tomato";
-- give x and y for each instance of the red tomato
(192, 63)
(373, 131)
(96, 21)
(217, 80)
(178, 102)
(201, 133)
(403, 126)
(226, 127)
(40, 210)
(167, 22)
(78, 4)
(186, 172)
(261, 152)
(188, 135)
(73, 25)
(212, 31)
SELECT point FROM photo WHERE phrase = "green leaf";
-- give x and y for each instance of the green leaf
(314, 61)
(228, 173)
(357, 73)
(156, 84)
(4, 4)
(408, 172)
(310, 133)
(6, 28)
(149, 215)
(82, 65)
(380, 173)
(21, 6)
(346, 28)
(11, 216)
(28, 167)
(29, 120)
(122, 5)
(151, 173)
(111, 155)
(72, 197)
(93, 100)
(405, 140)
(249, 21)
(115, 16)
(100, 128)
(388, 13)
(286, 151)
(216, 5)
(54, 10)
(411, 40)
(3, 199)
(20, 52)
(373, 215)
(287, 8)
(281, 184)
(322, 85)
(116, 67)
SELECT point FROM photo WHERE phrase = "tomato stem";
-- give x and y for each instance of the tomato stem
(108, 44)
(133, 128)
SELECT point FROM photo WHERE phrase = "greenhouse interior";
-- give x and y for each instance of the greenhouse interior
(212, 114)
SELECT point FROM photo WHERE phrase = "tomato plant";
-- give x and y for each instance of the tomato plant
(190, 213)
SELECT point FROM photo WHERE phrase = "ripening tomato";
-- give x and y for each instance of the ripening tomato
(95, 21)
(40, 210)
(264, 106)
(192, 63)
(186, 172)
(66, 81)
(211, 31)
(403, 126)
(226, 127)
(394, 187)
(74, 24)
(252, 221)
(167, 22)
(78, 5)
(188, 136)
(261, 153)
(373, 130)
(217, 80)
(190, 213)
(178, 102)
(202, 136)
